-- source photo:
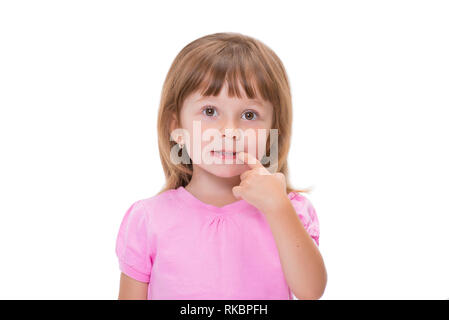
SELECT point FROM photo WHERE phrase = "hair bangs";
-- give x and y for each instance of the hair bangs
(237, 69)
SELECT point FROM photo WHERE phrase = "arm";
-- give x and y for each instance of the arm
(300, 258)
(131, 289)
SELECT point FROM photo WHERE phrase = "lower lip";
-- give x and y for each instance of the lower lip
(223, 155)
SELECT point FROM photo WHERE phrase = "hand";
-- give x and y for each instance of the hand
(259, 187)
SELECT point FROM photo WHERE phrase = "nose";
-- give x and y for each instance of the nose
(231, 133)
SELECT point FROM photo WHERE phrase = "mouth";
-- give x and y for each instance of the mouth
(223, 154)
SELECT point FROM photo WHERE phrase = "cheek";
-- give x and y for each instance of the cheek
(255, 143)
(200, 143)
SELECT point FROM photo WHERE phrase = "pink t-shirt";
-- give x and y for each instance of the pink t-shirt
(189, 250)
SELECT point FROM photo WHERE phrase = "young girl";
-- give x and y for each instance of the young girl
(233, 227)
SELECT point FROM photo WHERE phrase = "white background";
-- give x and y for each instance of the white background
(80, 84)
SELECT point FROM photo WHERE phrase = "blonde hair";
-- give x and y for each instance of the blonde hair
(205, 64)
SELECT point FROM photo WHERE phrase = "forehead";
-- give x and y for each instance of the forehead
(223, 96)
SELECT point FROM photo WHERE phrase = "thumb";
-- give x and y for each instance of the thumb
(237, 191)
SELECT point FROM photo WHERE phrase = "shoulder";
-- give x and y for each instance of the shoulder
(148, 206)
(304, 207)
(307, 214)
(156, 202)
(155, 210)
(143, 214)
(299, 200)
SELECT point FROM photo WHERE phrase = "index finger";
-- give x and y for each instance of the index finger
(249, 159)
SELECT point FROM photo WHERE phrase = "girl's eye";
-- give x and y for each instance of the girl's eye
(209, 111)
(247, 115)
(252, 115)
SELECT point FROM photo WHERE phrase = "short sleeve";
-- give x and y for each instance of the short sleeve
(307, 214)
(132, 244)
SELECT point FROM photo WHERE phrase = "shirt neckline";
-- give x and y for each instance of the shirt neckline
(186, 197)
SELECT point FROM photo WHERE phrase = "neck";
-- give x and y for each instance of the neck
(204, 184)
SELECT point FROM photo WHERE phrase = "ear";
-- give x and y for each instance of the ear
(173, 125)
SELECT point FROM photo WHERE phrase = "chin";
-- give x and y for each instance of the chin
(225, 171)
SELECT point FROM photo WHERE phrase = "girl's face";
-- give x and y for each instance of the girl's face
(225, 124)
